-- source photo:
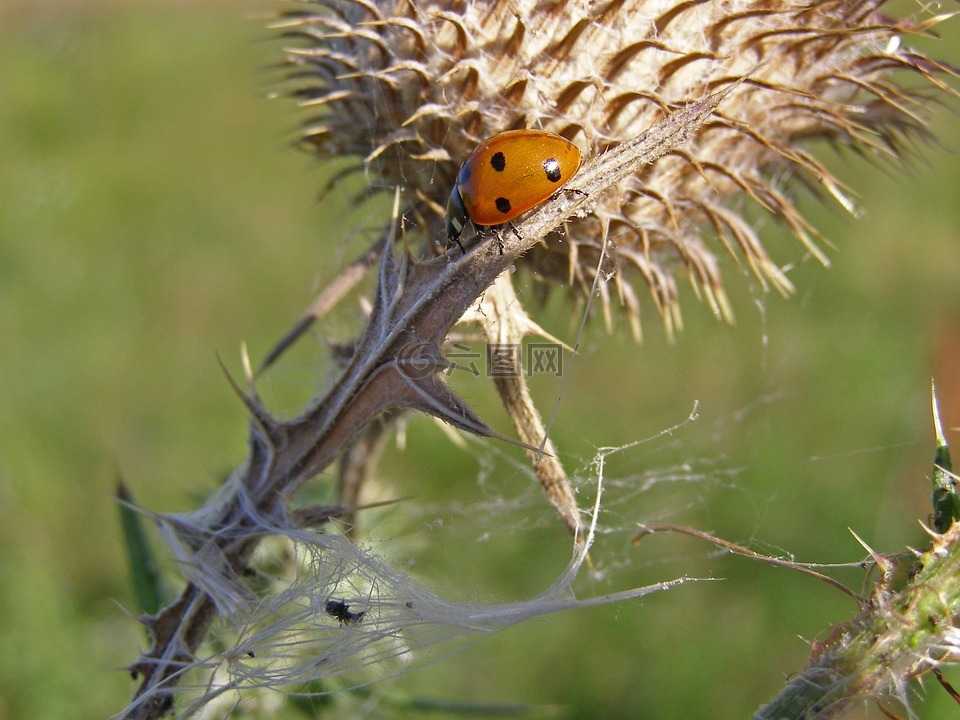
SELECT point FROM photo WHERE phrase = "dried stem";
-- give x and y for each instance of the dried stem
(396, 364)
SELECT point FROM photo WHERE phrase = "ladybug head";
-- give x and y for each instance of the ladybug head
(456, 218)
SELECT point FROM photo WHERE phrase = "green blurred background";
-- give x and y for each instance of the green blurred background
(152, 216)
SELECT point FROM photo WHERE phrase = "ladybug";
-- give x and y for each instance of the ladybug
(507, 175)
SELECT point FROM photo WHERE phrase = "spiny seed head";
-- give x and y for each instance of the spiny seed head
(410, 87)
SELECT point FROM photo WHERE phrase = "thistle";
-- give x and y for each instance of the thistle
(408, 89)
(685, 113)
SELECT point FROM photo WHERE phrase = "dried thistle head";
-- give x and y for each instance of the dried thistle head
(410, 87)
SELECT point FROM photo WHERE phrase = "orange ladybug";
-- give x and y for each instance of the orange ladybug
(507, 175)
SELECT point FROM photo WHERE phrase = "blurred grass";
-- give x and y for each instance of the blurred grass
(152, 217)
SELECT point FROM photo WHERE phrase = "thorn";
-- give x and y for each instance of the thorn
(394, 215)
(883, 563)
(928, 530)
(947, 686)
(146, 620)
(935, 406)
(260, 415)
(245, 361)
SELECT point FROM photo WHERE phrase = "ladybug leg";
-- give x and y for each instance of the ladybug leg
(459, 244)
(484, 231)
(500, 235)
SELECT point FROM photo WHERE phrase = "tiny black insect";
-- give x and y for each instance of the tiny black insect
(341, 611)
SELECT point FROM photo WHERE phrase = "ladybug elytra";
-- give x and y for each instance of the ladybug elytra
(507, 175)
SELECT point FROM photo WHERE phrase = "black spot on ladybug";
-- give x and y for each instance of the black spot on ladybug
(503, 205)
(498, 162)
(552, 169)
